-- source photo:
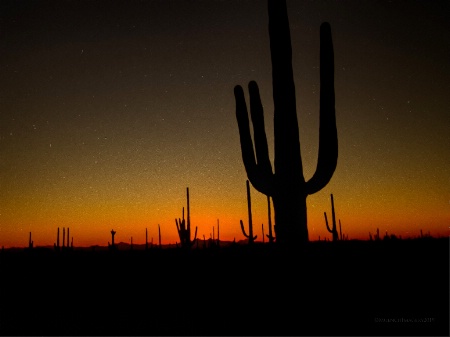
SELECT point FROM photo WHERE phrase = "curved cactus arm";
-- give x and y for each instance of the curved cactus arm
(326, 222)
(260, 176)
(254, 238)
(259, 133)
(328, 142)
(243, 229)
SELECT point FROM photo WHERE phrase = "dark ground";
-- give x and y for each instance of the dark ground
(358, 288)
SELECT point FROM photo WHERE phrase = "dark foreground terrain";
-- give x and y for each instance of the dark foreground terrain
(347, 288)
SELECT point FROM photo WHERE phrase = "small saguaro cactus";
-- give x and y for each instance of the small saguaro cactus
(377, 236)
(159, 236)
(286, 184)
(218, 233)
(30, 243)
(146, 239)
(250, 236)
(56, 245)
(184, 227)
(270, 235)
(262, 229)
(112, 238)
(333, 229)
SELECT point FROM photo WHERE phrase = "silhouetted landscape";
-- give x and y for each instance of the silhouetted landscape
(286, 283)
(329, 288)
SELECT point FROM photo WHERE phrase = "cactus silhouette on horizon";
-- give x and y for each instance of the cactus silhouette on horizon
(270, 235)
(333, 229)
(112, 246)
(218, 233)
(56, 245)
(30, 242)
(249, 236)
(287, 185)
(184, 227)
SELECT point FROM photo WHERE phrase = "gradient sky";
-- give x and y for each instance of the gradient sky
(109, 110)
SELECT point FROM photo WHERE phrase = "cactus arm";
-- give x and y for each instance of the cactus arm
(328, 142)
(259, 133)
(326, 222)
(243, 229)
(259, 178)
(179, 229)
(195, 236)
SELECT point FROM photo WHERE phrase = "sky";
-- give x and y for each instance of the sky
(109, 110)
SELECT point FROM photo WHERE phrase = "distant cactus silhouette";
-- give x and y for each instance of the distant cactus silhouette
(159, 236)
(30, 243)
(263, 236)
(112, 246)
(377, 236)
(250, 236)
(184, 230)
(218, 234)
(146, 239)
(270, 235)
(333, 229)
(287, 185)
(56, 245)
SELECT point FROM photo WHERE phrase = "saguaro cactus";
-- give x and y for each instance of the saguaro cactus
(30, 242)
(333, 229)
(112, 237)
(218, 233)
(56, 245)
(250, 236)
(270, 235)
(287, 185)
(184, 230)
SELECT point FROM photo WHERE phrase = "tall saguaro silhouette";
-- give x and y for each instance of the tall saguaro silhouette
(287, 185)
(184, 231)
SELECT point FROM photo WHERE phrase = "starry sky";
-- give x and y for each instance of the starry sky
(109, 110)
